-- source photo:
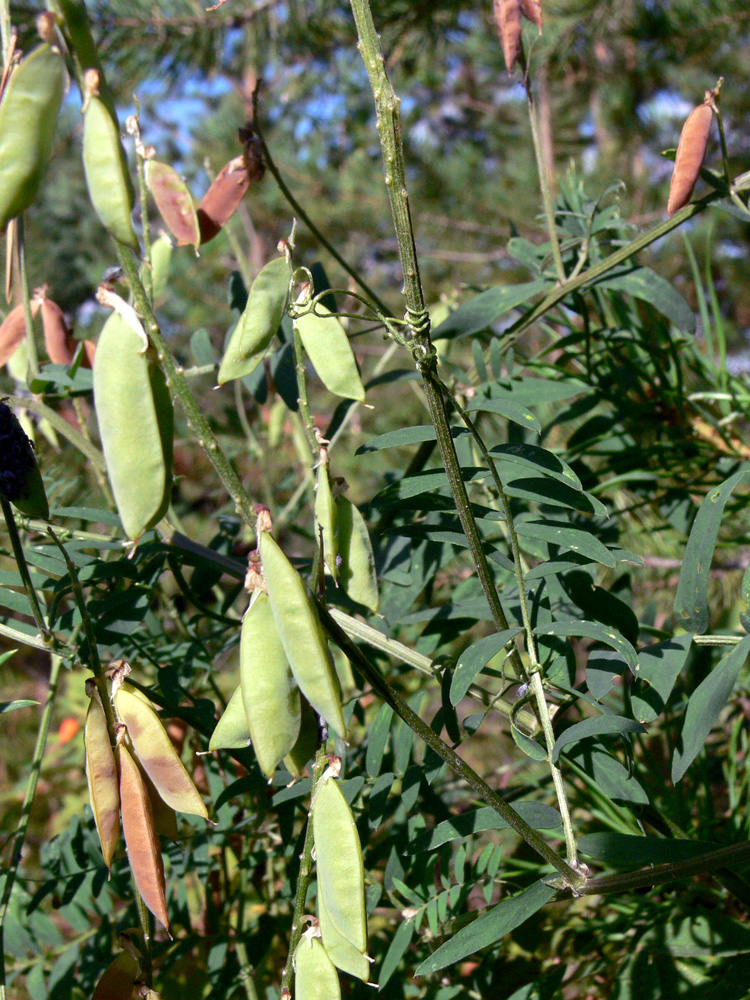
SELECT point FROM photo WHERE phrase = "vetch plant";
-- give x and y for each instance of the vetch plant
(435, 726)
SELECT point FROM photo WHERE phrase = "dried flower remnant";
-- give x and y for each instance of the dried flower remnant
(508, 22)
(691, 150)
(532, 11)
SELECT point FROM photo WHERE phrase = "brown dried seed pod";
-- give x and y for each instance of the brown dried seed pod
(60, 343)
(222, 198)
(689, 157)
(175, 203)
(532, 11)
(140, 837)
(13, 330)
(101, 774)
(508, 22)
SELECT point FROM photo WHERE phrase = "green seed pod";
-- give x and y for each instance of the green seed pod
(161, 258)
(340, 950)
(28, 117)
(330, 352)
(307, 743)
(105, 166)
(175, 203)
(301, 634)
(101, 775)
(20, 479)
(157, 754)
(357, 563)
(135, 418)
(341, 880)
(259, 323)
(315, 978)
(325, 515)
(269, 693)
(232, 731)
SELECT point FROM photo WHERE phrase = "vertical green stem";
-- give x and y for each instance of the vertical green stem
(5, 28)
(180, 388)
(303, 879)
(389, 127)
(28, 801)
(23, 568)
(26, 298)
(549, 209)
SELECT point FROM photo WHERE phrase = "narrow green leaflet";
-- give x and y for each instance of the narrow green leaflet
(607, 774)
(660, 666)
(378, 737)
(401, 941)
(12, 706)
(489, 928)
(600, 725)
(259, 322)
(538, 815)
(404, 436)
(593, 630)
(473, 659)
(554, 494)
(704, 706)
(533, 391)
(567, 537)
(643, 283)
(690, 602)
(538, 459)
(482, 310)
(626, 849)
(398, 438)
(516, 412)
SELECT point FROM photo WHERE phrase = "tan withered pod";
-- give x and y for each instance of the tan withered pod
(13, 330)
(101, 774)
(691, 150)
(144, 850)
(156, 752)
(59, 341)
(220, 202)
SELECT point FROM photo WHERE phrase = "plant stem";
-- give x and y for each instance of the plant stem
(304, 403)
(179, 387)
(28, 801)
(23, 569)
(299, 210)
(389, 127)
(26, 298)
(549, 209)
(618, 257)
(451, 758)
(303, 879)
(725, 857)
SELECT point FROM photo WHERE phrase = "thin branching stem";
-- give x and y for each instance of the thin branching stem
(303, 879)
(11, 870)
